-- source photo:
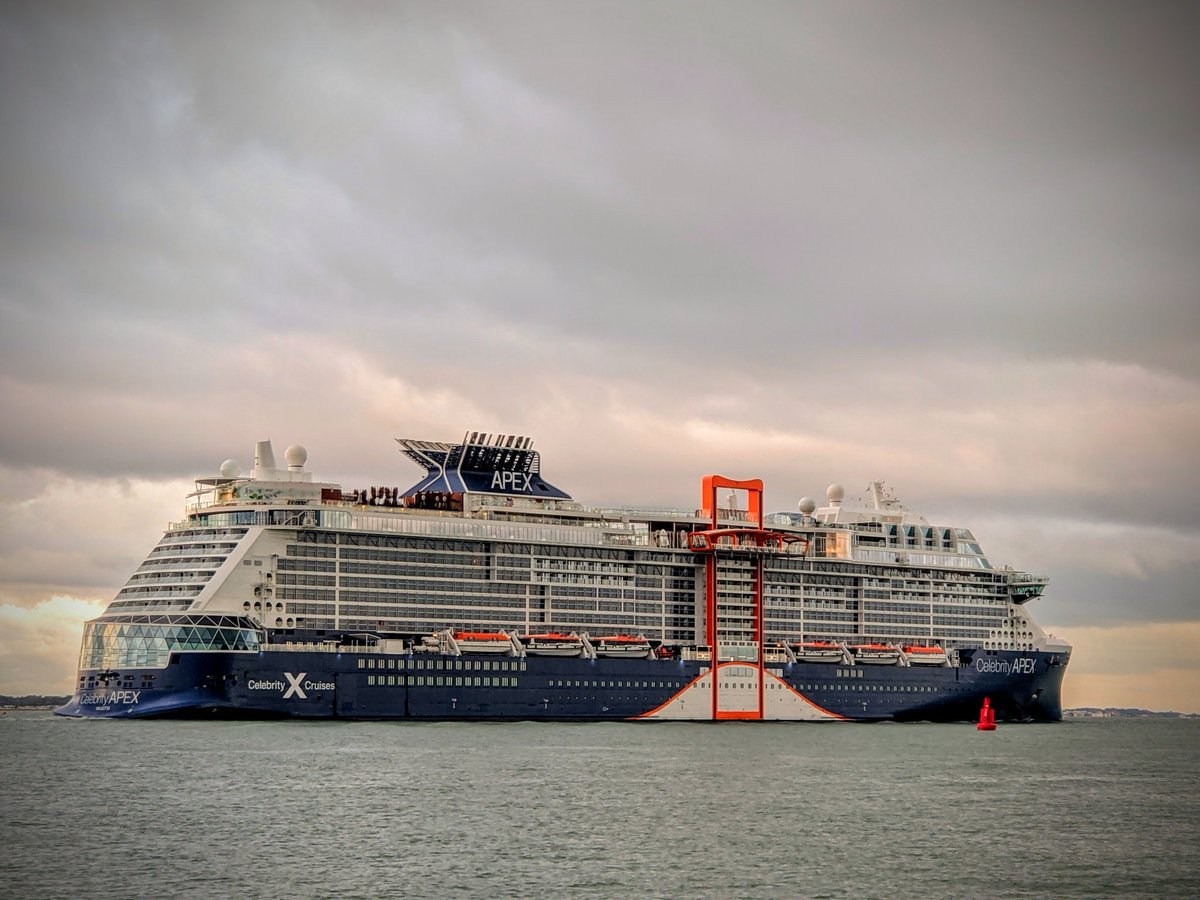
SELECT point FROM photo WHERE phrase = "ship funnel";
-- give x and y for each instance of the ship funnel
(264, 457)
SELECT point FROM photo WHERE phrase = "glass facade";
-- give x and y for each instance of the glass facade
(147, 641)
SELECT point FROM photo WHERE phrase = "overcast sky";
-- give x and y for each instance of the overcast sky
(949, 245)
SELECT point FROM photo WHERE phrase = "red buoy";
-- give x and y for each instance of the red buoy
(987, 716)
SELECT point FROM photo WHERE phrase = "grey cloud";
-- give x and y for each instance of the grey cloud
(1083, 598)
(940, 175)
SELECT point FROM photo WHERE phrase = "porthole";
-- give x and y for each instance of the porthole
(279, 623)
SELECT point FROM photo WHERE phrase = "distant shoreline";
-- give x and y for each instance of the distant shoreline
(32, 701)
(1113, 712)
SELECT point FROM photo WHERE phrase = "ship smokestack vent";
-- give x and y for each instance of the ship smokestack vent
(264, 456)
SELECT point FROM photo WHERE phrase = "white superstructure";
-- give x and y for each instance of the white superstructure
(483, 543)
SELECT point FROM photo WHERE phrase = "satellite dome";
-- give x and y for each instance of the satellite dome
(230, 469)
(808, 505)
(836, 493)
(295, 456)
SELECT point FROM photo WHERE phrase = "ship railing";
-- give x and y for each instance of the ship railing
(151, 579)
(313, 647)
(627, 538)
(645, 512)
(479, 501)
(422, 523)
(1017, 577)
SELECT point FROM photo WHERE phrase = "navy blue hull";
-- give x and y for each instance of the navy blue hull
(1022, 686)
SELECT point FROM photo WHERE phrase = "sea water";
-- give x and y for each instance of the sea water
(320, 809)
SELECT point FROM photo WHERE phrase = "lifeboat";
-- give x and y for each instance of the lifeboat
(925, 656)
(622, 645)
(552, 644)
(483, 642)
(875, 654)
(818, 651)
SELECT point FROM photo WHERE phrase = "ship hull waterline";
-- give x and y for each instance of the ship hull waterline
(1020, 685)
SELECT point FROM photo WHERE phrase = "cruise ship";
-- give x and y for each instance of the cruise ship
(485, 592)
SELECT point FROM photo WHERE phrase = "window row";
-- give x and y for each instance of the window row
(447, 664)
(440, 681)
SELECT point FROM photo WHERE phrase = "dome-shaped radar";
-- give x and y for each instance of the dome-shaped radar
(295, 456)
(808, 505)
(230, 469)
(836, 493)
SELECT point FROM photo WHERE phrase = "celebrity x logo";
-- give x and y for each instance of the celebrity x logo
(294, 688)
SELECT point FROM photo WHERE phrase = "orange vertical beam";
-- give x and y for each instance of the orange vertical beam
(708, 501)
(753, 487)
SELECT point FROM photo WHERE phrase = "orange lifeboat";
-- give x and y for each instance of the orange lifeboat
(875, 654)
(552, 643)
(817, 651)
(919, 655)
(495, 642)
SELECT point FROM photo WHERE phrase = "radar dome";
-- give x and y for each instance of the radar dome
(230, 469)
(295, 456)
(836, 493)
(808, 505)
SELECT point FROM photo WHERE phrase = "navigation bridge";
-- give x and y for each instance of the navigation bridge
(1023, 587)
